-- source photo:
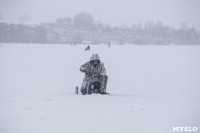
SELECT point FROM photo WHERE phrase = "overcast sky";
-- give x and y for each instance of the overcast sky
(112, 12)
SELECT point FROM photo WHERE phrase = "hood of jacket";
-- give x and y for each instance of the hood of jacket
(94, 57)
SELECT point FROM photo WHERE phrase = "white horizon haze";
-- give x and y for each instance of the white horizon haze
(111, 12)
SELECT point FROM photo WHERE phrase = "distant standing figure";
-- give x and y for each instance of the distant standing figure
(88, 48)
(109, 44)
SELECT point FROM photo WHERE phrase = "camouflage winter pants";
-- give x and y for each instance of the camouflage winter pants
(87, 81)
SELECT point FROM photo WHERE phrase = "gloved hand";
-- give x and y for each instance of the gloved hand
(88, 74)
(100, 77)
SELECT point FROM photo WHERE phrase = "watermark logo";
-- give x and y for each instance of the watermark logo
(184, 129)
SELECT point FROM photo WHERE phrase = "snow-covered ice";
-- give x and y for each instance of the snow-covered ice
(153, 88)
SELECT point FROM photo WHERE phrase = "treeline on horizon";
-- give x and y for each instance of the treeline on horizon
(83, 29)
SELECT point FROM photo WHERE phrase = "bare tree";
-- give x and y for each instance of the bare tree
(83, 20)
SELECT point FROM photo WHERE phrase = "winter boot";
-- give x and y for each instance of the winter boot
(83, 91)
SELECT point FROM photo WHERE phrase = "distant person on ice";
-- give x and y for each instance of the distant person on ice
(95, 73)
(88, 48)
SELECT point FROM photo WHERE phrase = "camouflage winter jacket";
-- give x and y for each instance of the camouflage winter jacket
(92, 69)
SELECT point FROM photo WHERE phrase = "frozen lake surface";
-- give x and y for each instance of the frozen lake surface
(153, 88)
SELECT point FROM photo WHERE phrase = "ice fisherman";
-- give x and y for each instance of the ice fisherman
(95, 72)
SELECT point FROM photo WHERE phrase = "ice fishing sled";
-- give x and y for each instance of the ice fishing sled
(93, 88)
